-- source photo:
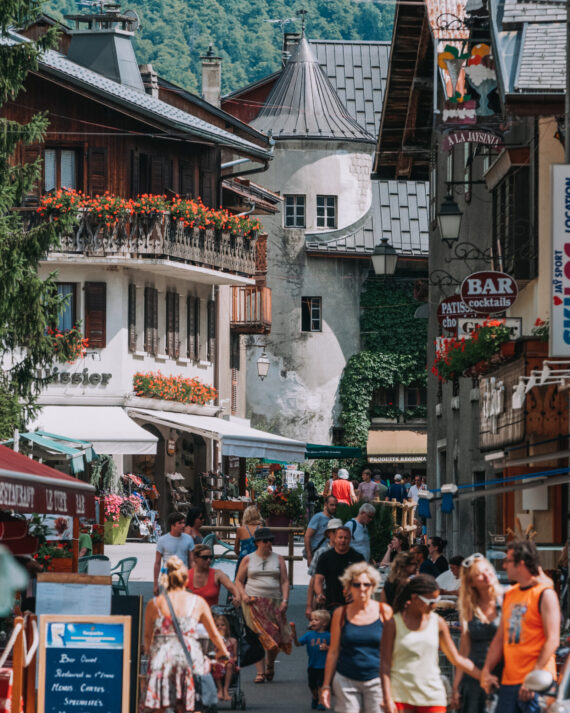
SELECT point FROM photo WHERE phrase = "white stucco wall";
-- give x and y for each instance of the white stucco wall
(299, 397)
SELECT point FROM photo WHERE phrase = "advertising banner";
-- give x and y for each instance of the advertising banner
(560, 318)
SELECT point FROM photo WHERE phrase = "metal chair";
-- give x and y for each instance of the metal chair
(83, 562)
(211, 541)
(122, 571)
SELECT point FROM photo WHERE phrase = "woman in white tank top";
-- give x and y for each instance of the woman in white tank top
(264, 589)
(409, 666)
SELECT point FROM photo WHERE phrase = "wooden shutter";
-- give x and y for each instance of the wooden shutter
(151, 320)
(197, 315)
(96, 314)
(30, 154)
(211, 331)
(234, 392)
(186, 179)
(132, 317)
(172, 324)
(190, 327)
(156, 175)
(97, 171)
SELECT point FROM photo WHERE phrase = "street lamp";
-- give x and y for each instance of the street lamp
(384, 258)
(449, 220)
(263, 365)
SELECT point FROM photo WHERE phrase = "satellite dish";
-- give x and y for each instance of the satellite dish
(134, 20)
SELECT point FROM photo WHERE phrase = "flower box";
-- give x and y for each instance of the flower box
(116, 532)
(61, 564)
(508, 350)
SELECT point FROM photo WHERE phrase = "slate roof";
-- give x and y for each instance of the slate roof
(399, 212)
(303, 104)
(358, 72)
(58, 65)
(529, 39)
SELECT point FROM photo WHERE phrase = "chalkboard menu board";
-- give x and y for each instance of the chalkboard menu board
(84, 664)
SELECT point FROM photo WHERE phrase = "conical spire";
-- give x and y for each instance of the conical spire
(304, 105)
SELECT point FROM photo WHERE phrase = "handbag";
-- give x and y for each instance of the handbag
(250, 649)
(204, 686)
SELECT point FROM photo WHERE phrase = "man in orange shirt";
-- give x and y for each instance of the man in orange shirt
(529, 632)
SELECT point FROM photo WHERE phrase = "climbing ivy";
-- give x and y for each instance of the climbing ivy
(394, 353)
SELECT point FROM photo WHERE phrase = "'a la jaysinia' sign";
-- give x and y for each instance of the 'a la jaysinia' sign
(560, 316)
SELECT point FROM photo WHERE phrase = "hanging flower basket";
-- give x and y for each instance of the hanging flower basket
(69, 345)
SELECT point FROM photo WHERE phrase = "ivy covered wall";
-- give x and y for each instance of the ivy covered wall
(393, 353)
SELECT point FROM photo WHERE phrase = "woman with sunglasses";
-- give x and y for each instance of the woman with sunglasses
(205, 581)
(263, 585)
(409, 667)
(354, 651)
(480, 599)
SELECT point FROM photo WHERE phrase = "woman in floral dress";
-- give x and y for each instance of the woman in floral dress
(169, 684)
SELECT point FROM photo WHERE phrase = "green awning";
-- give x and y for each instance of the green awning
(78, 456)
(315, 451)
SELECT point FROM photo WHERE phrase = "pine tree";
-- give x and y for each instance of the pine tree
(29, 305)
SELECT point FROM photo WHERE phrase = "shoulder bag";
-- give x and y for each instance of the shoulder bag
(206, 694)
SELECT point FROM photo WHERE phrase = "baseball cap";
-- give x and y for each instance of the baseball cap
(343, 474)
(397, 478)
(333, 524)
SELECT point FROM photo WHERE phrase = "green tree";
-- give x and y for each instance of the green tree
(28, 304)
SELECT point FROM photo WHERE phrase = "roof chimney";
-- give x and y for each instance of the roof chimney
(290, 41)
(150, 79)
(211, 77)
(104, 44)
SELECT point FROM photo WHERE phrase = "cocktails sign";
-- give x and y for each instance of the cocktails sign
(489, 292)
(560, 317)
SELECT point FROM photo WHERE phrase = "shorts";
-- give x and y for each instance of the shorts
(509, 701)
(353, 696)
(316, 677)
(409, 708)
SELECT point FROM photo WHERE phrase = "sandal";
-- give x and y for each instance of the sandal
(270, 672)
(260, 678)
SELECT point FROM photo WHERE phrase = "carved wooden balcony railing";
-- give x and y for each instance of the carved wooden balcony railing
(251, 309)
(161, 237)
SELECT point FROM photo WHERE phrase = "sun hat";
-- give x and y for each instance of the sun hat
(263, 533)
(333, 524)
(343, 474)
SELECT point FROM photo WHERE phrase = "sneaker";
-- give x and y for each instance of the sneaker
(320, 707)
(314, 703)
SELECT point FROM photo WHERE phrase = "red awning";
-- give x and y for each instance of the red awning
(29, 486)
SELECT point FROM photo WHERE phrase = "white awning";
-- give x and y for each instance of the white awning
(108, 428)
(237, 440)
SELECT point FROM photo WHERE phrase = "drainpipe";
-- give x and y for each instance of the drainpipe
(247, 212)
(250, 171)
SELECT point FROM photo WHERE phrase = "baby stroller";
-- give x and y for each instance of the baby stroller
(237, 631)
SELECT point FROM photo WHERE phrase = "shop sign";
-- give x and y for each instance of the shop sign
(560, 316)
(397, 459)
(466, 326)
(472, 136)
(30, 496)
(489, 292)
(450, 310)
(76, 378)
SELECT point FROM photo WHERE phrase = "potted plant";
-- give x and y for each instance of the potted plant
(98, 539)
(279, 508)
(69, 345)
(55, 556)
(118, 512)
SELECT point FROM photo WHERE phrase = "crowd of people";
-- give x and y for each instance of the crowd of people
(374, 636)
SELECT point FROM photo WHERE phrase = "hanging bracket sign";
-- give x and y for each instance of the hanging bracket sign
(450, 310)
(489, 292)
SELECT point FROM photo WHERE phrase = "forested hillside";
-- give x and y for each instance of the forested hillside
(174, 33)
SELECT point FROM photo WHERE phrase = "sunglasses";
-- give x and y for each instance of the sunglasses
(468, 561)
(205, 557)
(429, 602)
(360, 585)
(266, 541)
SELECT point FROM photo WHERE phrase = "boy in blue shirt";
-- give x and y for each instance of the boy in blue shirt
(317, 641)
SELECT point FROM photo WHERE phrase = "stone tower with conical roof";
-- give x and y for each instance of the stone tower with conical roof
(321, 167)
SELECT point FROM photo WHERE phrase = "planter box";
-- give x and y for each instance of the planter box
(61, 564)
(281, 538)
(98, 548)
(117, 535)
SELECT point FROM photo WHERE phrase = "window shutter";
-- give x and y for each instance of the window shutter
(197, 314)
(132, 317)
(96, 314)
(97, 171)
(190, 327)
(234, 393)
(186, 179)
(30, 154)
(151, 320)
(156, 177)
(211, 331)
(172, 324)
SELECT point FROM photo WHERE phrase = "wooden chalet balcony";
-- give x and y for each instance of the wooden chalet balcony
(161, 238)
(251, 309)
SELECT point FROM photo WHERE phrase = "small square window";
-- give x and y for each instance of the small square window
(311, 314)
(294, 211)
(326, 211)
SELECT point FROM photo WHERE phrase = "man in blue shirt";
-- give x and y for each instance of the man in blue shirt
(316, 535)
(358, 526)
(396, 491)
